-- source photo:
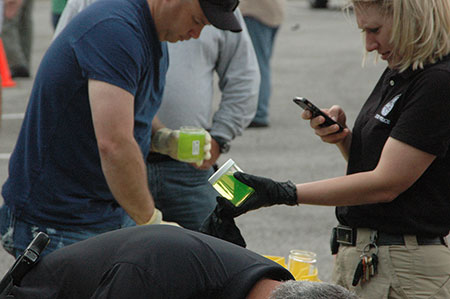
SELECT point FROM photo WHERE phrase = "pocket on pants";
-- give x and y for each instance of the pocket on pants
(423, 272)
(443, 292)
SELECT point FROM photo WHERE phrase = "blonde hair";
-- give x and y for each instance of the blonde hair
(420, 30)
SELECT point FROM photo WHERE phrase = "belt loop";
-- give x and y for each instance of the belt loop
(373, 237)
(411, 241)
(362, 238)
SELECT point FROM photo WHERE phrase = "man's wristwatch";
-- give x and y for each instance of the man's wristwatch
(224, 146)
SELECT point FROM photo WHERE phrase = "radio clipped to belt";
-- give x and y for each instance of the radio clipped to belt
(368, 264)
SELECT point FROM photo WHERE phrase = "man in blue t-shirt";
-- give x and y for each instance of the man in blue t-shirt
(77, 169)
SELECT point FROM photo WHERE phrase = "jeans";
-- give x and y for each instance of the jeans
(263, 38)
(17, 234)
(182, 192)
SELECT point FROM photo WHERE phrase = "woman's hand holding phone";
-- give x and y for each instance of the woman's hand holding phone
(323, 121)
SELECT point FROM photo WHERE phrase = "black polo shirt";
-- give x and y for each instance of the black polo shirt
(412, 107)
(154, 261)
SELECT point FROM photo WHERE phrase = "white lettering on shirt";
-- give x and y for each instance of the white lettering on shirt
(382, 119)
(386, 109)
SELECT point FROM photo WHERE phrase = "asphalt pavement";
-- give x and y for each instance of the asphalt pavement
(317, 55)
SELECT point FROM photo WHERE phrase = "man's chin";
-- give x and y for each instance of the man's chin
(173, 39)
(167, 38)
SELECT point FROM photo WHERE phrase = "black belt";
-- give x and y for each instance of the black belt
(157, 157)
(347, 236)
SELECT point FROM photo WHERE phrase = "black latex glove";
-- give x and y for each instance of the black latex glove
(220, 223)
(267, 193)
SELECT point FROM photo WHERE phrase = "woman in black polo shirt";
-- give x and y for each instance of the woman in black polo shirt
(394, 203)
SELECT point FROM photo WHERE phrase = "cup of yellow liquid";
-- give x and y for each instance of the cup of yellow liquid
(228, 186)
(191, 143)
(302, 265)
(277, 259)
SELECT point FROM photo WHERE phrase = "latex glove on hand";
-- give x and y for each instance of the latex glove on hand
(267, 193)
(170, 223)
(165, 141)
(220, 223)
(206, 149)
(157, 218)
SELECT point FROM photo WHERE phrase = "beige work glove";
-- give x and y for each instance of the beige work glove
(170, 223)
(157, 219)
(165, 141)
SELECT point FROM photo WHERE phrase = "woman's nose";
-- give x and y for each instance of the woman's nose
(371, 43)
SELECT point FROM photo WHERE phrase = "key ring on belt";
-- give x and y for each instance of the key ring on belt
(373, 243)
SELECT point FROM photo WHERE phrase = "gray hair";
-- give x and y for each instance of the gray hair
(292, 289)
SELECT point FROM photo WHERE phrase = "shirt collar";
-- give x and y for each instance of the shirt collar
(408, 73)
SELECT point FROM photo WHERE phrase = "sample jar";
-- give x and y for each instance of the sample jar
(228, 186)
(302, 264)
(191, 143)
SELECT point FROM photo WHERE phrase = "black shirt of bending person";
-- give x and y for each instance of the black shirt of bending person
(153, 261)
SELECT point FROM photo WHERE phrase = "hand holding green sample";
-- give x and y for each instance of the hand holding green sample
(267, 193)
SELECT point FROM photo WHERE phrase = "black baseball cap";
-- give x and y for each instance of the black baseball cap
(220, 14)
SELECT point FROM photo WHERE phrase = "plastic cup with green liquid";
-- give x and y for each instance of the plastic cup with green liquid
(191, 144)
(228, 186)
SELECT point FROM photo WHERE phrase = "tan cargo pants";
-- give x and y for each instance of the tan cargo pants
(409, 271)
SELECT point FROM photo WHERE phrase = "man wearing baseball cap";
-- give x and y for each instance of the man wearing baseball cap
(77, 169)
(220, 14)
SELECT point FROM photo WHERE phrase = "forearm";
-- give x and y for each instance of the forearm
(237, 108)
(399, 167)
(156, 124)
(344, 146)
(125, 172)
(239, 80)
(356, 189)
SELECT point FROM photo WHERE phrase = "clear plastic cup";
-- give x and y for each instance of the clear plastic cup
(191, 143)
(302, 265)
(229, 187)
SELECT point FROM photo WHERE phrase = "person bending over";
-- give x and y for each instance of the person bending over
(162, 261)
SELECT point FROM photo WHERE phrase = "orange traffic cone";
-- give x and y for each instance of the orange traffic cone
(7, 81)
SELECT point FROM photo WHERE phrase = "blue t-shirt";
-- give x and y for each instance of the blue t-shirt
(55, 176)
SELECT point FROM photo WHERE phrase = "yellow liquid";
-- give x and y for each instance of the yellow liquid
(232, 189)
(299, 268)
(303, 271)
(313, 277)
(277, 259)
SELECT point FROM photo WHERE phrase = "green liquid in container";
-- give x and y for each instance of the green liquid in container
(190, 146)
(232, 189)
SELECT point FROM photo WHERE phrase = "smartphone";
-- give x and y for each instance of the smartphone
(305, 104)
